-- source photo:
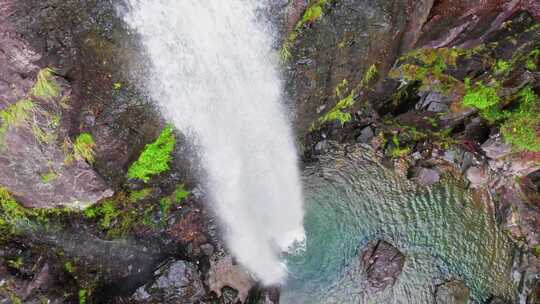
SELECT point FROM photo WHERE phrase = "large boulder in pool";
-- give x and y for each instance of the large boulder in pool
(382, 263)
(453, 292)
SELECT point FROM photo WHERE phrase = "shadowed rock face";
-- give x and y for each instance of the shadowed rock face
(341, 45)
(383, 264)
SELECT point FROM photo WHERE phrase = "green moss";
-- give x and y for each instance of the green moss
(501, 67)
(15, 219)
(337, 114)
(396, 151)
(139, 195)
(480, 96)
(155, 157)
(69, 267)
(108, 212)
(45, 86)
(165, 204)
(522, 128)
(83, 148)
(14, 116)
(180, 193)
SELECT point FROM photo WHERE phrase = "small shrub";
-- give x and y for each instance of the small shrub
(45, 86)
(155, 157)
(83, 148)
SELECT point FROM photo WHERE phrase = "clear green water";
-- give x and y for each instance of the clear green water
(444, 234)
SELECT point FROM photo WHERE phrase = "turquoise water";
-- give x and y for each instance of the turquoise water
(444, 234)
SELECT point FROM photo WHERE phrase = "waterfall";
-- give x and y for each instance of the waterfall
(213, 73)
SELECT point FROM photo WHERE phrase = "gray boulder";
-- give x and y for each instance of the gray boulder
(178, 282)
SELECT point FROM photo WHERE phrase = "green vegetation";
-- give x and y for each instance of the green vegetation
(396, 151)
(15, 115)
(370, 75)
(139, 195)
(48, 177)
(165, 205)
(45, 86)
(82, 296)
(180, 193)
(83, 147)
(313, 12)
(16, 263)
(480, 96)
(106, 210)
(69, 267)
(14, 218)
(532, 58)
(155, 157)
(501, 67)
(428, 66)
(522, 128)
(337, 114)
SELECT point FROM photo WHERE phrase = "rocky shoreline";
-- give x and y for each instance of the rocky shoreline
(394, 75)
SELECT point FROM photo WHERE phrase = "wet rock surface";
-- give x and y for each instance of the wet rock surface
(454, 292)
(178, 282)
(382, 263)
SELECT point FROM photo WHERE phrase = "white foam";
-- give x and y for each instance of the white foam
(214, 76)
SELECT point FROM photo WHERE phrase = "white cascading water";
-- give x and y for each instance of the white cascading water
(215, 76)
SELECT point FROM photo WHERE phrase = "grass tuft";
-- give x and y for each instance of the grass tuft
(45, 86)
(14, 116)
(83, 147)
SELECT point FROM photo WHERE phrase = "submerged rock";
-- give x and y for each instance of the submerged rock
(454, 292)
(383, 264)
(178, 282)
(427, 177)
